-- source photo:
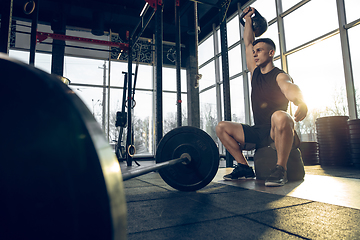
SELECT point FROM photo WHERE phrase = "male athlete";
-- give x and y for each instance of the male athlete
(271, 91)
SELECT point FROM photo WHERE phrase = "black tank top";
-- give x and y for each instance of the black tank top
(266, 96)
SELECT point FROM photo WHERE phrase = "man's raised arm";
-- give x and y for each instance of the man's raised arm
(249, 38)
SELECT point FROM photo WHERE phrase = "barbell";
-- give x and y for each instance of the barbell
(59, 177)
(187, 159)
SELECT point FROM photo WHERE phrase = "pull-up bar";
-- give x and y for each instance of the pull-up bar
(41, 36)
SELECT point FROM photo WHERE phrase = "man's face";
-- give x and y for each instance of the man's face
(262, 53)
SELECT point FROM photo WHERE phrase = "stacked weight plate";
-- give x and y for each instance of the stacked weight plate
(309, 153)
(333, 140)
(354, 135)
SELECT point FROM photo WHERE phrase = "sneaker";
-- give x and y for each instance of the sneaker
(240, 171)
(277, 178)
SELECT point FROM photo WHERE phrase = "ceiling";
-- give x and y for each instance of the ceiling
(124, 15)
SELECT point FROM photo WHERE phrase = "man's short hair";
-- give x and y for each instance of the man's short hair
(265, 40)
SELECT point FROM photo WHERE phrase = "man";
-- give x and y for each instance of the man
(272, 89)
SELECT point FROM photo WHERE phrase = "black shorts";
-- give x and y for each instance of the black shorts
(257, 134)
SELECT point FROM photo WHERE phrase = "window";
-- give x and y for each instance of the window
(300, 29)
(206, 50)
(232, 29)
(352, 10)
(208, 76)
(266, 8)
(354, 35)
(321, 79)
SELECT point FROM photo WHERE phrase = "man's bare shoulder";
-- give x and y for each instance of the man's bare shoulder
(283, 77)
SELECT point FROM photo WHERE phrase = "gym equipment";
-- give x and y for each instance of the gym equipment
(187, 159)
(259, 23)
(59, 178)
(332, 135)
(265, 159)
(354, 135)
(204, 158)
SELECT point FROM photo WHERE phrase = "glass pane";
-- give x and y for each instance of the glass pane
(116, 75)
(208, 112)
(92, 97)
(354, 35)
(277, 63)
(232, 28)
(142, 122)
(183, 81)
(20, 55)
(208, 75)
(266, 8)
(272, 33)
(206, 50)
(169, 112)
(352, 10)
(115, 106)
(321, 81)
(144, 78)
(169, 79)
(235, 61)
(300, 29)
(237, 100)
(286, 4)
(141, 118)
(84, 70)
(43, 62)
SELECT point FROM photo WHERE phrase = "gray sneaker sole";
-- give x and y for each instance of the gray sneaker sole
(275, 184)
(234, 179)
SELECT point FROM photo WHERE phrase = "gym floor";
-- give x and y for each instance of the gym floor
(325, 205)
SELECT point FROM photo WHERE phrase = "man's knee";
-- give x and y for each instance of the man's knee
(282, 121)
(220, 128)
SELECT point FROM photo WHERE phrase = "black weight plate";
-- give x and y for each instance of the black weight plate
(353, 126)
(354, 122)
(332, 119)
(344, 140)
(333, 147)
(59, 177)
(354, 137)
(354, 141)
(204, 158)
(354, 132)
(355, 150)
(334, 129)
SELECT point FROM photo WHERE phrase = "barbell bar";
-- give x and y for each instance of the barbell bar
(185, 159)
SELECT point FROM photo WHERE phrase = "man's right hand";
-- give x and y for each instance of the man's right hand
(249, 12)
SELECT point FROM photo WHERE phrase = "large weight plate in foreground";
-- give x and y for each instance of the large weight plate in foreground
(204, 158)
(59, 178)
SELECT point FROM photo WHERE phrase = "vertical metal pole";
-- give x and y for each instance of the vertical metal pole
(5, 30)
(217, 82)
(280, 23)
(108, 98)
(192, 72)
(349, 78)
(159, 64)
(226, 78)
(129, 119)
(34, 23)
(246, 86)
(104, 98)
(178, 62)
(217, 75)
